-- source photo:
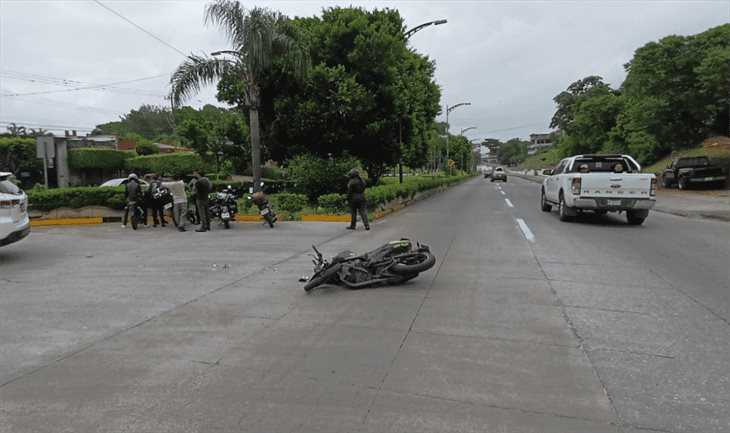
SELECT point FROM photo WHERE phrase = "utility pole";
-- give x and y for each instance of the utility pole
(449, 110)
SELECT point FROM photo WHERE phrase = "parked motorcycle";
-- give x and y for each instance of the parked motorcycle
(262, 203)
(393, 263)
(224, 206)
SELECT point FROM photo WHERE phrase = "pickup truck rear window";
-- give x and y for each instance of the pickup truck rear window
(602, 165)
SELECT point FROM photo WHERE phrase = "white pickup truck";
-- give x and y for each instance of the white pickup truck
(599, 183)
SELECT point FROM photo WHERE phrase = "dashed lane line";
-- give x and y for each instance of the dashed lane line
(509, 203)
(525, 230)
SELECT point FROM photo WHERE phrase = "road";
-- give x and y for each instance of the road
(525, 324)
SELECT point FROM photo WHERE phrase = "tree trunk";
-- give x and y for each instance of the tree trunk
(255, 148)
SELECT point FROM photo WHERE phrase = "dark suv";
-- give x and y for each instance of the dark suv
(694, 170)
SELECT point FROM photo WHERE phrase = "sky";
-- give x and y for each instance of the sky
(68, 65)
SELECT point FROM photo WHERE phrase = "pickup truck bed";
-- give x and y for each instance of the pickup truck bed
(599, 183)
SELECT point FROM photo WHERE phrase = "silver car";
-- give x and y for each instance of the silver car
(14, 221)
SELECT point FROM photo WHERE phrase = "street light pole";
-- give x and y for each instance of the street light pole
(449, 110)
(407, 36)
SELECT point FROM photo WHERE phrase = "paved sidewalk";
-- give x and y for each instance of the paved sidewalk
(692, 204)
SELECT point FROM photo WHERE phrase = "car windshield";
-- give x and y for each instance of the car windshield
(693, 162)
(8, 187)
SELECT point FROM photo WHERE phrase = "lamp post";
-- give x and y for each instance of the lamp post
(410, 32)
(407, 36)
(449, 110)
(466, 129)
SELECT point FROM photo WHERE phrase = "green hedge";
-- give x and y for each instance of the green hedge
(89, 158)
(49, 199)
(378, 195)
(291, 203)
(113, 197)
(332, 203)
(177, 163)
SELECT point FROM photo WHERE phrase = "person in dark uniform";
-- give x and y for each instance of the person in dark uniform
(356, 199)
(201, 189)
(132, 193)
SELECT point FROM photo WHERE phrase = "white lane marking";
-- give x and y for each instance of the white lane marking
(509, 203)
(526, 230)
(503, 193)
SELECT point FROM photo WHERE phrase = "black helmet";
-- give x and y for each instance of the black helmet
(354, 172)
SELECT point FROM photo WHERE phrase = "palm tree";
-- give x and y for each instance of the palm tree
(38, 132)
(258, 37)
(15, 130)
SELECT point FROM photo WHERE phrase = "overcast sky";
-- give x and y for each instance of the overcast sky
(507, 58)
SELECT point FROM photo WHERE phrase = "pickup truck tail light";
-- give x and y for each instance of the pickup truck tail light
(575, 186)
(652, 191)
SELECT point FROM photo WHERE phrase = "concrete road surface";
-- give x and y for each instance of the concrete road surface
(525, 324)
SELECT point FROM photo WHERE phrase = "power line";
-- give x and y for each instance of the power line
(46, 79)
(132, 23)
(103, 87)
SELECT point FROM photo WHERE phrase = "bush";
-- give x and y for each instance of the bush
(49, 199)
(291, 203)
(147, 149)
(93, 158)
(269, 172)
(178, 163)
(332, 203)
(314, 176)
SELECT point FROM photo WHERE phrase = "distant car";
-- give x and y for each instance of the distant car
(14, 221)
(488, 173)
(499, 174)
(118, 181)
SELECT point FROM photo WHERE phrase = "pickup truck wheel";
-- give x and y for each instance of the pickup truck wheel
(635, 218)
(683, 183)
(544, 205)
(562, 211)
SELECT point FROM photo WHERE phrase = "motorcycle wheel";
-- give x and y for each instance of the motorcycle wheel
(270, 221)
(415, 262)
(134, 220)
(323, 277)
(227, 224)
(401, 278)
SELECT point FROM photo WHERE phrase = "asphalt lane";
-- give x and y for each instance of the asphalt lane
(651, 305)
(525, 324)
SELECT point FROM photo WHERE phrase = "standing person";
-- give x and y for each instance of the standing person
(356, 199)
(132, 193)
(179, 201)
(201, 189)
(158, 214)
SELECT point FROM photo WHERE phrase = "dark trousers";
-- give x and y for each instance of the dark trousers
(355, 206)
(204, 213)
(158, 213)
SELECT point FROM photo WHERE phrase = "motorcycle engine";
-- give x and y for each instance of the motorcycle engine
(357, 275)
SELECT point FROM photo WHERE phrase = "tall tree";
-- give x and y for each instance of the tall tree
(258, 36)
(149, 121)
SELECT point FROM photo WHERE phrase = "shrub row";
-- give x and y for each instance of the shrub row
(49, 199)
(178, 163)
(103, 158)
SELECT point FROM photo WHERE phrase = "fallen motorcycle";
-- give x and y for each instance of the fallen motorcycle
(392, 263)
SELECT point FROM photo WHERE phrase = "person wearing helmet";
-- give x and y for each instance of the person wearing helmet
(356, 199)
(132, 193)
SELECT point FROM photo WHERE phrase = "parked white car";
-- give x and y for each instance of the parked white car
(14, 221)
(599, 183)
